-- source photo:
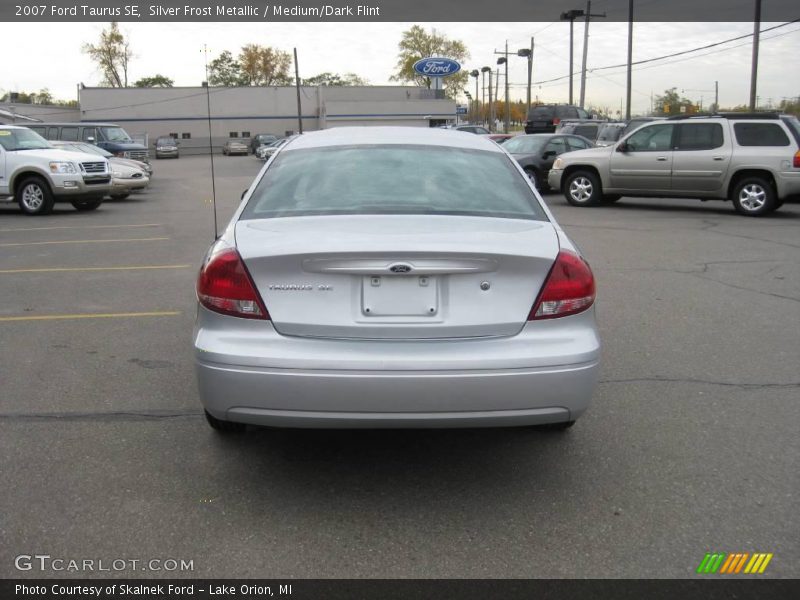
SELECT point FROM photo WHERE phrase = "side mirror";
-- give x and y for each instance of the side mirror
(244, 193)
(90, 139)
(548, 154)
(623, 147)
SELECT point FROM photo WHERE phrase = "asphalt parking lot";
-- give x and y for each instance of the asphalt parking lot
(691, 444)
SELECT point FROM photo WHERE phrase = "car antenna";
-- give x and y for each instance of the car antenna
(210, 145)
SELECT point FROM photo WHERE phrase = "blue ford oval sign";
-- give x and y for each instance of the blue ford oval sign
(436, 67)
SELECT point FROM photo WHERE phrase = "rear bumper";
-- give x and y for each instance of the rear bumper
(545, 374)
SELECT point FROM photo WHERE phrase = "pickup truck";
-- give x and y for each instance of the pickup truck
(37, 175)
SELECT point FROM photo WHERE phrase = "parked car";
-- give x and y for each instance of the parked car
(609, 133)
(587, 129)
(471, 129)
(536, 152)
(235, 147)
(500, 138)
(125, 177)
(546, 117)
(146, 167)
(264, 152)
(751, 159)
(37, 175)
(167, 147)
(637, 122)
(261, 139)
(364, 282)
(108, 136)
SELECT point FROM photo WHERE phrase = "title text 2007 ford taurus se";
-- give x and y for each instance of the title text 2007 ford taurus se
(394, 277)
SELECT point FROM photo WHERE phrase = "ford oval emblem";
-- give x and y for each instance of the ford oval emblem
(436, 67)
(401, 268)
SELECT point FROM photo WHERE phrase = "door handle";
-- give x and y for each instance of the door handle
(661, 158)
(718, 158)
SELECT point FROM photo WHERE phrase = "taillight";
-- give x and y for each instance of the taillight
(796, 161)
(568, 289)
(556, 121)
(225, 286)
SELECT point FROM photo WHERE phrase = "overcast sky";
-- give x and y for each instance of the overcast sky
(49, 55)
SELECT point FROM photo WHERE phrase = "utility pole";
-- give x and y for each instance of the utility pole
(570, 16)
(297, 86)
(485, 70)
(716, 96)
(630, 61)
(508, 100)
(528, 53)
(586, 47)
(503, 60)
(754, 67)
(491, 104)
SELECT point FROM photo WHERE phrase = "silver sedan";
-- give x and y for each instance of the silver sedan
(394, 277)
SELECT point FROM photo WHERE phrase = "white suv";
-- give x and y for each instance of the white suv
(37, 175)
(751, 159)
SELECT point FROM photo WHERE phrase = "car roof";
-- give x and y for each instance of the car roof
(425, 136)
(13, 127)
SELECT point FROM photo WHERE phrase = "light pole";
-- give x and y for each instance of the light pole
(485, 70)
(474, 73)
(504, 61)
(528, 53)
(570, 16)
(469, 102)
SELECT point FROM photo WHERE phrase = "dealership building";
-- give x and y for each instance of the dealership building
(241, 112)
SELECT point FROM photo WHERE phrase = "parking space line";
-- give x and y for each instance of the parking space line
(74, 269)
(11, 229)
(171, 313)
(154, 239)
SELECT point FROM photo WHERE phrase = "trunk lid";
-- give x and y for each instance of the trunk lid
(397, 276)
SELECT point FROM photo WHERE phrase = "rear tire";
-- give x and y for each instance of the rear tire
(225, 426)
(582, 188)
(86, 205)
(754, 197)
(34, 196)
(534, 178)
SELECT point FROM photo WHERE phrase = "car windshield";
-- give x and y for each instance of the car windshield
(541, 112)
(115, 134)
(165, 141)
(525, 144)
(392, 179)
(609, 134)
(22, 139)
(92, 149)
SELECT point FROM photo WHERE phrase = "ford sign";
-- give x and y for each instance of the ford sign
(436, 67)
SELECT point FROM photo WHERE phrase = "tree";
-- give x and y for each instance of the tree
(263, 65)
(112, 55)
(335, 79)
(156, 80)
(671, 103)
(225, 71)
(416, 44)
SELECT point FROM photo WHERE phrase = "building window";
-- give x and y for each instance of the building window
(245, 134)
(186, 136)
(233, 134)
(174, 136)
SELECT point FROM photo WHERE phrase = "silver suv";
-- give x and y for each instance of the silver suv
(751, 159)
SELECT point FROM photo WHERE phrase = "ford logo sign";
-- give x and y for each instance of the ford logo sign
(401, 268)
(436, 67)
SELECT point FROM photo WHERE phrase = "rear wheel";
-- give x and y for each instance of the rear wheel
(754, 197)
(533, 176)
(582, 188)
(86, 205)
(34, 196)
(224, 426)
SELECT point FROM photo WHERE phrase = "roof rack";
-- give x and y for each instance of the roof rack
(728, 115)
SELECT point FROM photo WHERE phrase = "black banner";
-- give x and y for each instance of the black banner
(400, 589)
(266, 11)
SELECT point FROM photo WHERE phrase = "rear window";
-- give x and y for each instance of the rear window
(609, 134)
(760, 134)
(392, 179)
(587, 131)
(794, 126)
(541, 113)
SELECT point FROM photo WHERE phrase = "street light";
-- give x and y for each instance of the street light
(475, 73)
(570, 16)
(504, 61)
(485, 70)
(528, 53)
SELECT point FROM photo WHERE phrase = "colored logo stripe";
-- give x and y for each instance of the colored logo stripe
(734, 562)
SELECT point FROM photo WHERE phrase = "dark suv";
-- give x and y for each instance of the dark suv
(109, 136)
(546, 117)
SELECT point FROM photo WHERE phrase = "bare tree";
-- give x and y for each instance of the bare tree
(112, 55)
